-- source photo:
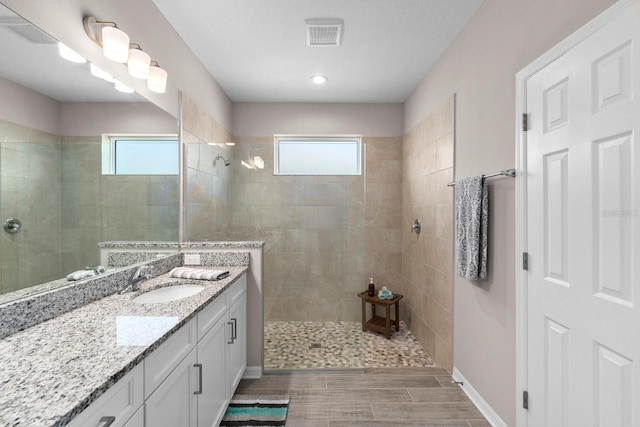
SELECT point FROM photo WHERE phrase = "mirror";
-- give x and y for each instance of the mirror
(55, 201)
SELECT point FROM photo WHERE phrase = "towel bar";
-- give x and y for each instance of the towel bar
(506, 172)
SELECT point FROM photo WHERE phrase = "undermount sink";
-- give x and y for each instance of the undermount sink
(168, 294)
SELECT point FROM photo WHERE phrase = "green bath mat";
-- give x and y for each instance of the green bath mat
(257, 412)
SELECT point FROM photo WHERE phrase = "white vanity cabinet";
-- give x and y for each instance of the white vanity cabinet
(221, 352)
(197, 392)
(189, 379)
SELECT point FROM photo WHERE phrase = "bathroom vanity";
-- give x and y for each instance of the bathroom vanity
(115, 362)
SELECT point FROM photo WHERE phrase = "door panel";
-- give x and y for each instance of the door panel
(584, 232)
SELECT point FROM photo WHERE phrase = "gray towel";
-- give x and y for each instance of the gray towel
(472, 220)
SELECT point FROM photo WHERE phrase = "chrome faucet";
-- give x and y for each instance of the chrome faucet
(136, 278)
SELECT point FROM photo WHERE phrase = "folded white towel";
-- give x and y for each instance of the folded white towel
(80, 274)
(198, 273)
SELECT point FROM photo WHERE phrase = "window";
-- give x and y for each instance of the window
(308, 155)
(140, 155)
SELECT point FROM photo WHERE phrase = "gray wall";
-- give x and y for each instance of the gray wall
(479, 67)
(268, 118)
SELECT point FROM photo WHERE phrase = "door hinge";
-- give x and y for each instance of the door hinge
(525, 122)
(525, 260)
(525, 399)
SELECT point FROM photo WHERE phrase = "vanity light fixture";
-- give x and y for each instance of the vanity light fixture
(319, 79)
(117, 46)
(70, 55)
(230, 144)
(157, 80)
(138, 63)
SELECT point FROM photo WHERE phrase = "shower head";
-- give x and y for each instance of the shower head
(218, 157)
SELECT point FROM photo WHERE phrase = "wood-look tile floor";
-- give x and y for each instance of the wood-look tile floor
(380, 397)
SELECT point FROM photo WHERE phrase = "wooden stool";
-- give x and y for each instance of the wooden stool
(377, 323)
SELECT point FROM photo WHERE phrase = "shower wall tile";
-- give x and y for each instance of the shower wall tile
(30, 187)
(427, 258)
(316, 259)
(209, 199)
(383, 213)
(387, 217)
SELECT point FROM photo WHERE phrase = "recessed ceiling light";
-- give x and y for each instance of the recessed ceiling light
(319, 79)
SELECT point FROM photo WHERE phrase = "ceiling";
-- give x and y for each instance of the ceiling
(36, 64)
(257, 51)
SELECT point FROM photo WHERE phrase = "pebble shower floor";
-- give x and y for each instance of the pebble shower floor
(338, 345)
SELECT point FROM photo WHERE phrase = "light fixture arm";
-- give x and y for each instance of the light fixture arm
(89, 22)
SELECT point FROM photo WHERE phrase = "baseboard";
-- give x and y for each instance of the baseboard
(252, 373)
(482, 405)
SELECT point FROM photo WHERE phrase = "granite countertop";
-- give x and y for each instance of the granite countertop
(135, 244)
(52, 371)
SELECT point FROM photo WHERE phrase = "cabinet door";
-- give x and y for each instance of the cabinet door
(174, 403)
(116, 405)
(238, 349)
(212, 358)
(159, 364)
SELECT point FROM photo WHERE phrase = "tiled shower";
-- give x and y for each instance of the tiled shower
(326, 235)
(54, 185)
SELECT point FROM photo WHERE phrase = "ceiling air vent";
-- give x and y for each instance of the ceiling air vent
(324, 32)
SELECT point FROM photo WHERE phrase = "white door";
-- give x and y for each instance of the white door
(583, 212)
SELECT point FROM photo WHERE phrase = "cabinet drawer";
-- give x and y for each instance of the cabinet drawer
(211, 314)
(159, 364)
(121, 401)
(235, 291)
